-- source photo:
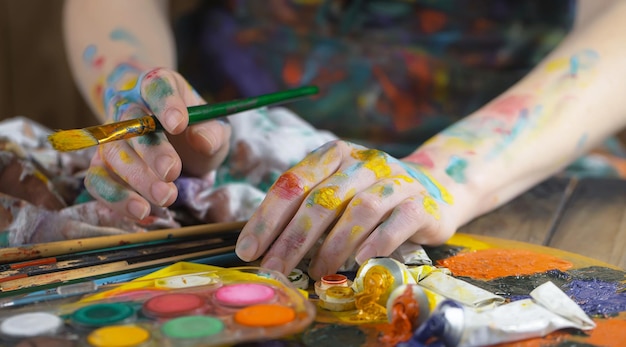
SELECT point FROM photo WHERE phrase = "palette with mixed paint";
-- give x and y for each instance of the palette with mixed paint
(185, 304)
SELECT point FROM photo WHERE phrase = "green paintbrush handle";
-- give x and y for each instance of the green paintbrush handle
(203, 113)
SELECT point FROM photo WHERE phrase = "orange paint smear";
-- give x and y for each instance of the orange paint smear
(494, 263)
(288, 186)
(610, 332)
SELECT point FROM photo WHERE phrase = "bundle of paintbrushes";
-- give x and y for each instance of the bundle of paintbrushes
(41, 266)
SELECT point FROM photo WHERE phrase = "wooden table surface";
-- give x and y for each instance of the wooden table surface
(585, 216)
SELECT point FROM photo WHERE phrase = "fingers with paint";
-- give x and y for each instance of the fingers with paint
(344, 201)
(135, 174)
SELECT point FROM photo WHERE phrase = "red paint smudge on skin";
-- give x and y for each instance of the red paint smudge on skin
(509, 106)
(98, 62)
(495, 263)
(288, 186)
(420, 158)
(151, 74)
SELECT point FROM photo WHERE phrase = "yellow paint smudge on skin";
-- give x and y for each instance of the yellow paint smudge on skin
(306, 223)
(357, 230)
(356, 202)
(378, 190)
(557, 64)
(405, 178)
(430, 206)
(130, 84)
(445, 195)
(125, 157)
(375, 161)
(340, 175)
(459, 143)
(330, 156)
(327, 198)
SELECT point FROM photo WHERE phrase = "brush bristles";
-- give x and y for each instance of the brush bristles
(71, 140)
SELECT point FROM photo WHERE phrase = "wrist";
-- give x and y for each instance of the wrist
(453, 172)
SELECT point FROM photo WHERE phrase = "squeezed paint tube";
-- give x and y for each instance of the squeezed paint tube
(411, 254)
(455, 325)
(374, 282)
(396, 269)
(460, 291)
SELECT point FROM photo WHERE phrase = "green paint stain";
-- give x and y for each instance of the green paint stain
(456, 169)
(157, 90)
(150, 140)
(108, 190)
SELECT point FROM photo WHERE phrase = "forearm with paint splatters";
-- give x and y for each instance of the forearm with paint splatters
(566, 105)
(110, 43)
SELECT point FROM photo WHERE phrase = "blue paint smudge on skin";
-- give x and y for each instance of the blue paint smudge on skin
(456, 169)
(520, 125)
(120, 34)
(89, 53)
(423, 179)
(583, 60)
(598, 298)
(121, 98)
(574, 65)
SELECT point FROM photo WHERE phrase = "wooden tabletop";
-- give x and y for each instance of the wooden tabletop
(585, 216)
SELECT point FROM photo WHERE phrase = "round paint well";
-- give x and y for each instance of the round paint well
(174, 305)
(185, 281)
(118, 336)
(265, 315)
(31, 324)
(192, 327)
(103, 314)
(334, 280)
(244, 294)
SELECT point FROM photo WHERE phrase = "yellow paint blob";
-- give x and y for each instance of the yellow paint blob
(356, 230)
(118, 336)
(327, 198)
(404, 178)
(306, 223)
(377, 284)
(375, 161)
(130, 84)
(356, 201)
(127, 159)
(557, 64)
(430, 206)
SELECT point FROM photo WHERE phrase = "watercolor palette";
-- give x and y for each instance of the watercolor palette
(185, 304)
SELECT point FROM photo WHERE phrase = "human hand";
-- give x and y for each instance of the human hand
(130, 175)
(368, 201)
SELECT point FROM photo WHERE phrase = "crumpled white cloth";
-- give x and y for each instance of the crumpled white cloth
(42, 197)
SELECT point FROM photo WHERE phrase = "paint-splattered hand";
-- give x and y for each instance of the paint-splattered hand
(368, 202)
(131, 175)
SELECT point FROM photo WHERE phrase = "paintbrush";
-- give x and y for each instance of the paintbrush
(96, 270)
(75, 139)
(51, 249)
(109, 256)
